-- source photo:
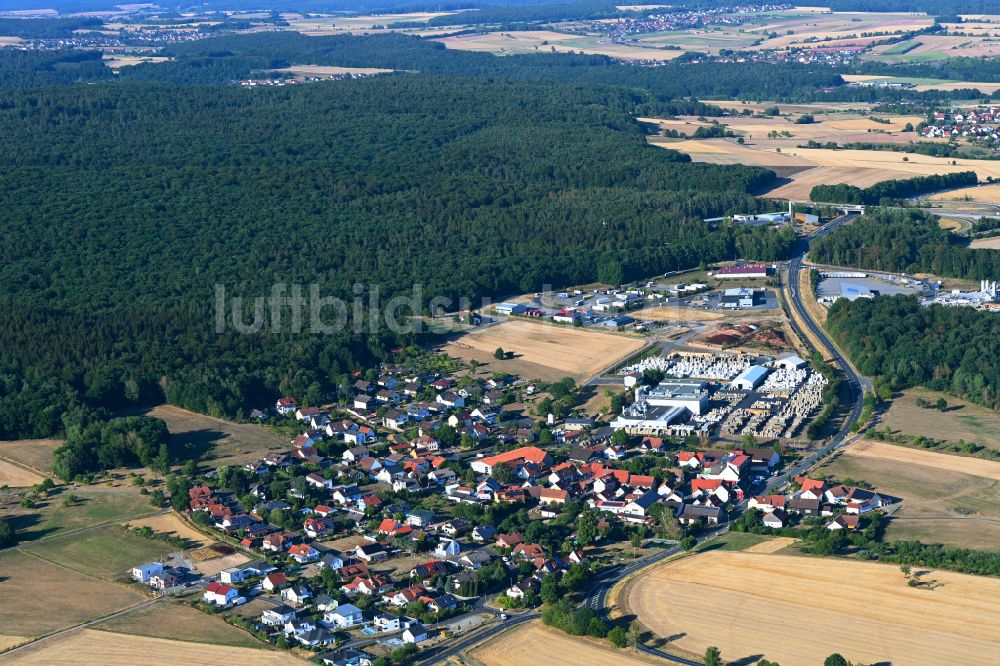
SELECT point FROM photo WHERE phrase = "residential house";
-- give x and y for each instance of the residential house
(420, 517)
(277, 616)
(274, 581)
(144, 572)
(354, 455)
(689, 514)
(415, 633)
(344, 616)
(220, 594)
(317, 481)
(331, 560)
(484, 533)
(774, 519)
(370, 552)
(447, 548)
(303, 553)
(286, 406)
(296, 594)
(845, 522)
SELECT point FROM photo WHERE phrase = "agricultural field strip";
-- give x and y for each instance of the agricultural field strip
(867, 604)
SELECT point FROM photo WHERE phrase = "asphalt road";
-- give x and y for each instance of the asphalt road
(597, 597)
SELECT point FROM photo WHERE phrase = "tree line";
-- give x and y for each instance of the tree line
(904, 241)
(891, 190)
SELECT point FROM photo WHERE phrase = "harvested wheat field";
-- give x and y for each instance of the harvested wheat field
(17, 477)
(176, 620)
(37, 598)
(986, 243)
(223, 442)
(108, 649)
(169, 523)
(546, 41)
(33, 453)
(770, 545)
(947, 499)
(679, 314)
(533, 643)
(988, 193)
(543, 351)
(326, 70)
(985, 469)
(802, 182)
(864, 610)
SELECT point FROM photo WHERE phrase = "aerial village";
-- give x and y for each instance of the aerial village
(435, 500)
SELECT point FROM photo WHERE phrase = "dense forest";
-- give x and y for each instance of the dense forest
(904, 241)
(30, 69)
(890, 191)
(227, 58)
(951, 349)
(124, 206)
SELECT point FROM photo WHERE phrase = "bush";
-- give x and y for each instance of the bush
(618, 637)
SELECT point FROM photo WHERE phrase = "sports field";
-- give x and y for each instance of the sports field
(542, 351)
(108, 649)
(863, 610)
(533, 643)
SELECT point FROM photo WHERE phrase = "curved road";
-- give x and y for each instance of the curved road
(597, 597)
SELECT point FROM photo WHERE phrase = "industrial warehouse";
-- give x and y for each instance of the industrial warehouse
(721, 394)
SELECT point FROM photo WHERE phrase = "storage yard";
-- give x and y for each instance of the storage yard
(733, 394)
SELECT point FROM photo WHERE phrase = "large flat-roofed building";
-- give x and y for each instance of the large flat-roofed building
(742, 297)
(691, 394)
(750, 271)
(644, 419)
(852, 291)
(750, 378)
(510, 308)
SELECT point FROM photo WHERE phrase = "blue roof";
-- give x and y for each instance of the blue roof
(753, 373)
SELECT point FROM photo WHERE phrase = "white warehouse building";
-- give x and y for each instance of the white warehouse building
(750, 378)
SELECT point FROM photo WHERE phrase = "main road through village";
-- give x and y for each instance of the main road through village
(597, 597)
